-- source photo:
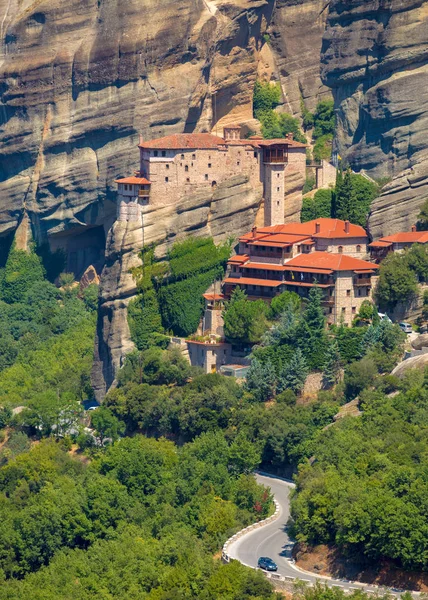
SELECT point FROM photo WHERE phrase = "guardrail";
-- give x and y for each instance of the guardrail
(287, 582)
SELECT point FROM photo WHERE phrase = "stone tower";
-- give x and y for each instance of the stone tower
(275, 159)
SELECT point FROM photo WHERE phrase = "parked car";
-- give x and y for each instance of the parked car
(267, 564)
(406, 327)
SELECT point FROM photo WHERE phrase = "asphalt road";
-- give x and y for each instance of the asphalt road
(272, 540)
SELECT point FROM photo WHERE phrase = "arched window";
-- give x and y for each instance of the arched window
(358, 248)
(340, 249)
(186, 168)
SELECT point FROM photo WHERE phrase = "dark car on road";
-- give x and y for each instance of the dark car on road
(267, 564)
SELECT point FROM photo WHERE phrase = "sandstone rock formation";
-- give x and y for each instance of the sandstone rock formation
(416, 362)
(80, 81)
(375, 60)
(296, 36)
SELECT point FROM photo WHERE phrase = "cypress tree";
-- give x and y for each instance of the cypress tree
(261, 380)
(312, 334)
(332, 367)
(345, 197)
(293, 375)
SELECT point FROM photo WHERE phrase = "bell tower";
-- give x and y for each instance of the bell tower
(275, 159)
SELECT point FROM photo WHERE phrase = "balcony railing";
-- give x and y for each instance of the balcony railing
(267, 254)
(363, 281)
(311, 280)
(275, 160)
(143, 193)
(328, 301)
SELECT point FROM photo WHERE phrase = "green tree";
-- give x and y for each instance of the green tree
(317, 207)
(417, 260)
(313, 330)
(353, 197)
(324, 119)
(144, 318)
(245, 321)
(106, 425)
(261, 380)
(244, 455)
(90, 297)
(283, 302)
(22, 270)
(344, 197)
(307, 116)
(358, 376)
(265, 97)
(397, 283)
(49, 413)
(293, 375)
(332, 366)
(366, 313)
(422, 223)
(323, 147)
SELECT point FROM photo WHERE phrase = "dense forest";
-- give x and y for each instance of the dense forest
(136, 498)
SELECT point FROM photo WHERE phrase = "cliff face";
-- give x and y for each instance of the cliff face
(80, 80)
(296, 34)
(230, 208)
(374, 57)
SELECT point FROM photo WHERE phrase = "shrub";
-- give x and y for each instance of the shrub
(309, 184)
(284, 301)
(22, 270)
(265, 97)
(397, 283)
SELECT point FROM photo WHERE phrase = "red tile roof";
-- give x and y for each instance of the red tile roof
(214, 296)
(133, 180)
(407, 237)
(265, 266)
(328, 228)
(380, 244)
(329, 261)
(239, 258)
(251, 281)
(278, 239)
(201, 141)
(308, 269)
(185, 140)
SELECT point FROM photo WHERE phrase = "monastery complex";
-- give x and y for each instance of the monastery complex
(332, 254)
(174, 167)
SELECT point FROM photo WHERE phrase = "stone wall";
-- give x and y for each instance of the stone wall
(349, 298)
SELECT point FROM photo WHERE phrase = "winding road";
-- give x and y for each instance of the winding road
(272, 540)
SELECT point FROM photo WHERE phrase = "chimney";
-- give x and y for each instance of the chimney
(254, 231)
(347, 226)
(141, 139)
(289, 136)
(413, 227)
(317, 227)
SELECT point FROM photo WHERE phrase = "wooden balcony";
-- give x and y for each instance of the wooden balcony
(328, 301)
(143, 193)
(366, 281)
(275, 155)
(310, 280)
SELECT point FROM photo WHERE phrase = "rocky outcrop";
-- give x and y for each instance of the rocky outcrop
(220, 213)
(416, 362)
(80, 81)
(420, 342)
(375, 60)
